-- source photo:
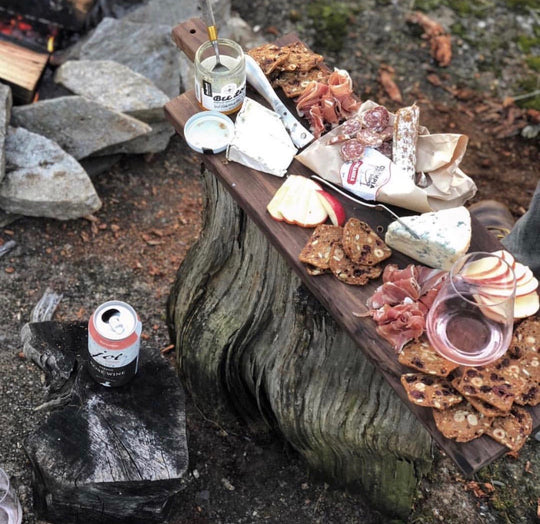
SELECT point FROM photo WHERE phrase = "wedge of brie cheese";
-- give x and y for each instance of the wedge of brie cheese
(260, 140)
(443, 236)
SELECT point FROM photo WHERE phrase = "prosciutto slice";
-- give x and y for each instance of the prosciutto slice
(399, 305)
(326, 105)
(399, 324)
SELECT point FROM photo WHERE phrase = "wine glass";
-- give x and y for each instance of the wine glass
(10, 507)
(471, 319)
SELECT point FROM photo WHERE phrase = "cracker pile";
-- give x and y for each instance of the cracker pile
(352, 253)
(468, 402)
(290, 67)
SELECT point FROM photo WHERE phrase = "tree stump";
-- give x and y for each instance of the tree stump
(251, 340)
(107, 455)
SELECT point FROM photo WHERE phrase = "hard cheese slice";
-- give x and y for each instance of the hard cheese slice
(443, 236)
(260, 140)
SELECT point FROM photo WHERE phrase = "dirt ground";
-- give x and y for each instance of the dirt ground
(130, 250)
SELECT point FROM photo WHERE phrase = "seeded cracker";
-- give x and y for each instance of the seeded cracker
(526, 338)
(349, 272)
(513, 429)
(300, 58)
(429, 391)
(270, 57)
(461, 422)
(316, 252)
(420, 355)
(362, 245)
(529, 365)
(490, 385)
(486, 409)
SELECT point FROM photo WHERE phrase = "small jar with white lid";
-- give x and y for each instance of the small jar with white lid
(222, 91)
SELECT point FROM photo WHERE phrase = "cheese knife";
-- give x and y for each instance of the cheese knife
(356, 200)
(300, 136)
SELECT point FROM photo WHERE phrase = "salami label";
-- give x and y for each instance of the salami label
(366, 176)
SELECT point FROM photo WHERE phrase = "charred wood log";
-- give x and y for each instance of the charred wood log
(109, 455)
(251, 340)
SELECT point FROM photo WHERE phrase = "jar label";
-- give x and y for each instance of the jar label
(226, 100)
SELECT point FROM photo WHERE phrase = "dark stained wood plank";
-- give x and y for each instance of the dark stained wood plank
(252, 190)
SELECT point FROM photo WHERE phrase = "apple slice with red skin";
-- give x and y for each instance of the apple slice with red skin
(526, 305)
(485, 268)
(333, 207)
(506, 256)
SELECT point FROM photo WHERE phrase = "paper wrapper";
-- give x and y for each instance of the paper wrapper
(437, 156)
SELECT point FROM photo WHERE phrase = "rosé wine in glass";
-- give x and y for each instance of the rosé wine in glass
(471, 320)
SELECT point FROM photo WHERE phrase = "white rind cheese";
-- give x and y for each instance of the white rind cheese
(260, 140)
(444, 236)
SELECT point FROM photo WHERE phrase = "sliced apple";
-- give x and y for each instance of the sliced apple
(506, 256)
(274, 205)
(301, 205)
(333, 207)
(522, 273)
(527, 287)
(526, 305)
(496, 312)
(484, 267)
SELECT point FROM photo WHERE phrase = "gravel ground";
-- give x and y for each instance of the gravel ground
(151, 215)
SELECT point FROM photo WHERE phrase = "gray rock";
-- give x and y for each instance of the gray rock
(6, 102)
(114, 86)
(173, 12)
(146, 48)
(154, 142)
(43, 180)
(80, 126)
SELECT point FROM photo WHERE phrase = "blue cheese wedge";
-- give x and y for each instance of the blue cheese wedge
(260, 140)
(444, 236)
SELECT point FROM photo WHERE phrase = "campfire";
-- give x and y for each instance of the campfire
(31, 31)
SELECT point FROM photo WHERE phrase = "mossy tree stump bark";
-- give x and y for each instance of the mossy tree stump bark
(251, 340)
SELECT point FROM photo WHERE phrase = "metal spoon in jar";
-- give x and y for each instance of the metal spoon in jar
(211, 28)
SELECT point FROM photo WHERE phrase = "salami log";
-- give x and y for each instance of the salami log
(405, 138)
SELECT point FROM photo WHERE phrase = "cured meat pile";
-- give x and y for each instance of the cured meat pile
(328, 104)
(400, 304)
(373, 128)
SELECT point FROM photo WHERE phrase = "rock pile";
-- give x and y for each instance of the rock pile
(118, 78)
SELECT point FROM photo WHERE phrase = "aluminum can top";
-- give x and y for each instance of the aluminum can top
(115, 320)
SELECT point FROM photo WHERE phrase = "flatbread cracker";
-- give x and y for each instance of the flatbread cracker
(461, 422)
(316, 252)
(420, 355)
(362, 245)
(429, 391)
(349, 272)
(513, 429)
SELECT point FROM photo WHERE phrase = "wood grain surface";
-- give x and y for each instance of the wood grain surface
(252, 190)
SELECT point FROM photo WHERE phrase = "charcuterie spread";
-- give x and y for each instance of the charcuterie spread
(373, 146)
(376, 155)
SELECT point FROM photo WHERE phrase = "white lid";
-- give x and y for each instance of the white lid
(209, 132)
